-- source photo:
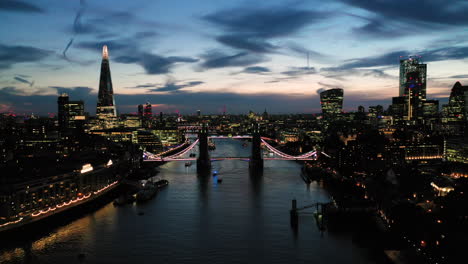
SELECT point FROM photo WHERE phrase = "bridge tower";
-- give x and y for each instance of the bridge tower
(203, 161)
(256, 161)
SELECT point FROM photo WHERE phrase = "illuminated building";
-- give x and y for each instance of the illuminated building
(106, 111)
(456, 150)
(115, 134)
(332, 103)
(409, 105)
(410, 70)
(289, 136)
(70, 113)
(457, 108)
(148, 141)
(140, 110)
(27, 201)
(148, 113)
(131, 121)
(147, 116)
(168, 136)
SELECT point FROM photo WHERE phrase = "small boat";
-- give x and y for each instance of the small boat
(161, 183)
(188, 164)
(220, 180)
(211, 145)
(149, 191)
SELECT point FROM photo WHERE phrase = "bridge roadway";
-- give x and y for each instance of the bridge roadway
(226, 158)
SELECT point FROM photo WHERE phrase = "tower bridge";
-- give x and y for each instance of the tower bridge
(204, 160)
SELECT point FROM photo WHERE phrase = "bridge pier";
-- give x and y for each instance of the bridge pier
(203, 160)
(294, 218)
(256, 161)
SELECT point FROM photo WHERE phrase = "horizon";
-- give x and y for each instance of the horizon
(242, 56)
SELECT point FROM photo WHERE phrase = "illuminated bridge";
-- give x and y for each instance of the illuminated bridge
(204, 159)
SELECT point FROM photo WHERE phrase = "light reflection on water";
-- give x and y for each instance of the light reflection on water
(195, 219)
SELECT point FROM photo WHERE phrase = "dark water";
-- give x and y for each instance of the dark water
(244, 219)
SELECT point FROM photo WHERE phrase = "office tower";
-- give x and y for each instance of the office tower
(147, 116)
(148, 112)
(62, 110)
(70, 113)
(106, 104)
(198, 113)
(140, 110)
(413, 66)
(457, 108)
(409, 105)
(332, 103)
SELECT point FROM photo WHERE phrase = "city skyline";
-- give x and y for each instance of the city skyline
(281, 53)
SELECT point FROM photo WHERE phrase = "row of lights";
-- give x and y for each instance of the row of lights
(284, 155)
(41, 212)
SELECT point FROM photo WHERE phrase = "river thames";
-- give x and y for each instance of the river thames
(244, 219)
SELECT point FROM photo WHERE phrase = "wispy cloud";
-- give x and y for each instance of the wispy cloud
(218, 59)
(19, 6)
(11, 55)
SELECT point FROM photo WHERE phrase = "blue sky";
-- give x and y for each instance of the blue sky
(183, 55)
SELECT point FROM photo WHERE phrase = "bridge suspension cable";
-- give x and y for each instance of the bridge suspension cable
(152, 156)
(287, 156)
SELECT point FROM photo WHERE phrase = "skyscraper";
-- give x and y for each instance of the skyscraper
(413, 66)
(148, 112)
(140, 110)
(106, 104)
(332, 103)
(409, 105)
(457, 107)
(70, 113)
(147, 115)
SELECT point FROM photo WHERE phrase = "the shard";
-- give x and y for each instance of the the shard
(106, 103)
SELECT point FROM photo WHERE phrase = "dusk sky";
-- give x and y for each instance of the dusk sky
(190, 55)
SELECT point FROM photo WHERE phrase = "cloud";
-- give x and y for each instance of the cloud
(10, 55)
(173, 86)
(148, 85)
(424, 13)
(76, 92)
(256, 69)
(330, 86)
(266, 22)
(392, 58)
(19, 6)
(298, 71)
(152, 63)
(245, 43)
(304, 52)
(252, 30)
(115, 45)
(217, 59)
(155, 64)
(20, 79)
(380, 27)
(341, 73)
(462, 76)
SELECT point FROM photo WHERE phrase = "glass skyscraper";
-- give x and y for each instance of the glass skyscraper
(413, 66)
(332, 103)
(106, 104)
